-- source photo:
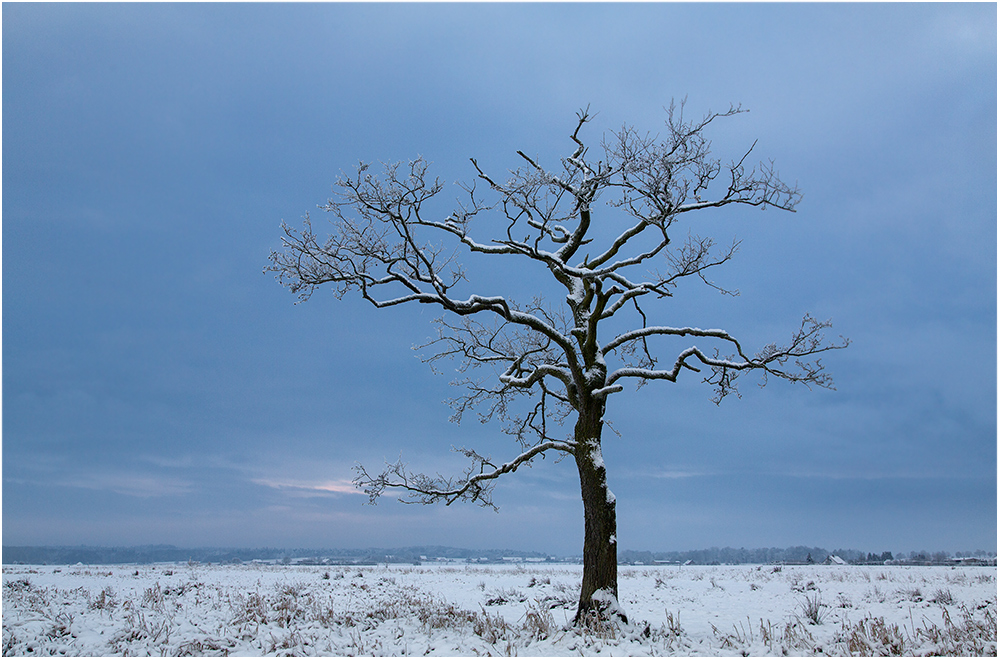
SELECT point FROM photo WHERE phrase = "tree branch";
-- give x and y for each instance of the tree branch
(808, 341)
(474, 486)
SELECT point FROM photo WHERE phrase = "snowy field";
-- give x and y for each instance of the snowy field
(254, 610)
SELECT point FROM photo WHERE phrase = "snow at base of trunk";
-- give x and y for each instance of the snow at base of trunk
(607, 601)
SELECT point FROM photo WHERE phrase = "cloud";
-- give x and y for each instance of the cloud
(311, 488)
(967, 31)
(678, 474)
(668, 473)
(132, 485)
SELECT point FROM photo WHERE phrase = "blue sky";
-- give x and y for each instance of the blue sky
(159, 388)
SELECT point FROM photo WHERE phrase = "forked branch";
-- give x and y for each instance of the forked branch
(771, 360)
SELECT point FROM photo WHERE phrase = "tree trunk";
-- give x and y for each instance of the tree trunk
(599, 591)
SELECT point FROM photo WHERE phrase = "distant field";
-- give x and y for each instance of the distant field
(499, 610)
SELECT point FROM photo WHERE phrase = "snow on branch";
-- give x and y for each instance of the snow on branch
(771, 360)
(664, 177)
(515, 364)
(375, 249)
(475, 485)
(599, 228)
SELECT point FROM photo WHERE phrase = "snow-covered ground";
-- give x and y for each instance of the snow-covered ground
(499, 610)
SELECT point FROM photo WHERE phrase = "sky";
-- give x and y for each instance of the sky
(159, 387)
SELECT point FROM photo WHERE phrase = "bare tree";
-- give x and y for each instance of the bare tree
(540, 367)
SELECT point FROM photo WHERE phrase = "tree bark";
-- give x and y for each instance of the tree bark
(599, 590)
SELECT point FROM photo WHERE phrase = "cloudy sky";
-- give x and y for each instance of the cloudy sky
(158, 387)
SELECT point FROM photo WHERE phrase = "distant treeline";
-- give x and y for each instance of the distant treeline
(148, 554)
(798, 554)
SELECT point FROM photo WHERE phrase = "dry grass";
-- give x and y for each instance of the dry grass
(873, 637)
(974, 635)
(389, 615)
(813, 609)
(791, 638)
